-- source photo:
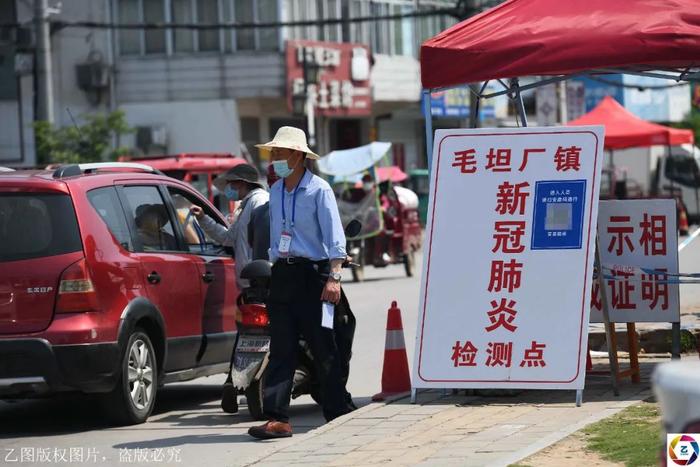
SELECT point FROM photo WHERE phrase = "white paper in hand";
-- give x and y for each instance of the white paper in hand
(327, 312)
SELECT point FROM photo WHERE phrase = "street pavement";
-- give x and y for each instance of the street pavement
(188, 427)
(187, 423)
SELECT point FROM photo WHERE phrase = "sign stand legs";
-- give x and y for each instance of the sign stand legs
(634, 352)
(675, 341)
(609, 327)
(414, 395)
(579, 397)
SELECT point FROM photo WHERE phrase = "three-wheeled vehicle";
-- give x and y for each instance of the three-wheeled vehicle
(391, 232)
(420, 184)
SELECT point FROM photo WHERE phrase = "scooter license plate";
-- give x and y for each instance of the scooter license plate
(253, 344)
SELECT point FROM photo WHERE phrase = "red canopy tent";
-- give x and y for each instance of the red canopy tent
(623, 129)
(560, 37)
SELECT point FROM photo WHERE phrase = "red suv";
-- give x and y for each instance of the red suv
(108, 285)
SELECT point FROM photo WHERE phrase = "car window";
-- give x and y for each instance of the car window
(198, 241)
(34, 225)
(154, 228)
(683, 169)
(106, 203)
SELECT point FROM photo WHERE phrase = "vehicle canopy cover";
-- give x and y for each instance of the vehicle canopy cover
(347, 167)
(552, 37)
(353, 161)
(623, 129)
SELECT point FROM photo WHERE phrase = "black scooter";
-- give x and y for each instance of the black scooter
(252, 348)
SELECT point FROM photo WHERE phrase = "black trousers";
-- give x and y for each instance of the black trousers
(294, 308)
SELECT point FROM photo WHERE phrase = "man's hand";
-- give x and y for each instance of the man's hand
(331, 292)
(197, 211)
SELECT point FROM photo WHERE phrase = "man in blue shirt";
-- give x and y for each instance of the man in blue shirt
(307, 250)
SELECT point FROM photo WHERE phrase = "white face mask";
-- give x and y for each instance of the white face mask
(368, 186)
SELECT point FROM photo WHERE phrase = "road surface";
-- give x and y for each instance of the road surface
(187, 423)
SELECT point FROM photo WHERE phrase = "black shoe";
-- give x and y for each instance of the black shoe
(271, 430)
(229, 399)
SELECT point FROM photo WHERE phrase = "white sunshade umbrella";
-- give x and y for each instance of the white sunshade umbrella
(353, 161)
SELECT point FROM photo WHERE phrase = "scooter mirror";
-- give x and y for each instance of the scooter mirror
(353, 228)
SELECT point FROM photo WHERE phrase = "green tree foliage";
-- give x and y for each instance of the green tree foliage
(91, 142)
(691, 122)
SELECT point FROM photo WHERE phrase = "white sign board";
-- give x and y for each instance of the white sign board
(638, 240)
(509, 257)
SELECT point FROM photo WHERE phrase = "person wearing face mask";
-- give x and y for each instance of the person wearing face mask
(242, 184)
(307, 249)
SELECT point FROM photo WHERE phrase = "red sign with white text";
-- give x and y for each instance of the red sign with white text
(343, 88)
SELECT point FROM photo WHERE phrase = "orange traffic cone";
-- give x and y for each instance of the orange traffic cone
(683, 227)
(395, 376)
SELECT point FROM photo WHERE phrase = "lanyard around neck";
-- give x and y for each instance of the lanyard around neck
(294, 201)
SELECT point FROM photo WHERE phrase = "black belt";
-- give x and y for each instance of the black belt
(292, 260)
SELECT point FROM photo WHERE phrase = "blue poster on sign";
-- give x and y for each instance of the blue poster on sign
(558, 215)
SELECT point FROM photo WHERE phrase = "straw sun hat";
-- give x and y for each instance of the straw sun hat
(289, 137)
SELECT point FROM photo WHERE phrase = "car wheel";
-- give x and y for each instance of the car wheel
(133, 398)
(254, 398)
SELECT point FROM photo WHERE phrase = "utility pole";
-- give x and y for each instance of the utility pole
(43, 62)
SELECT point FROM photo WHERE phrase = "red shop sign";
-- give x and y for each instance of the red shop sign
(343, 88)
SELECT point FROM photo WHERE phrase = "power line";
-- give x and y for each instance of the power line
(60, 24)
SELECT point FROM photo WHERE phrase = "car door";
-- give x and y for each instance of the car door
(217, 269)
(171, 277)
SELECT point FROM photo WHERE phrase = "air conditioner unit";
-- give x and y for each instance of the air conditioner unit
(92, 76)
(152, 139)
(20, 37)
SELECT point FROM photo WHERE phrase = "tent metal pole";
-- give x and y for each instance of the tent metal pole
(428, 127)
(515, 87)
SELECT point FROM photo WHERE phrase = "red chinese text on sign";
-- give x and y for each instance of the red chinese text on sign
(526, 156)
(621, 290)
(568, 159)
(511, 199)
(500, 354)
(505, 275)
(622, 230)
(466, 161)
(464, 354)
(654, 287)
(498, 160)
(534, 356)
(653, 237)
(508, 236)
(502, 315)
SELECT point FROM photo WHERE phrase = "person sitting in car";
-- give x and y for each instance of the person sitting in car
(150, 221)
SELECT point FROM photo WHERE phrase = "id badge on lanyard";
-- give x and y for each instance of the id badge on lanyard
(286, 237)
(285, 243)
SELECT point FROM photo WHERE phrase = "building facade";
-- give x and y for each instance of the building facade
(209, 90)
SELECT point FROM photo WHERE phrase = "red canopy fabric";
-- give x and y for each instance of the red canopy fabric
(552, 37)
(623, 129)
(393, 173)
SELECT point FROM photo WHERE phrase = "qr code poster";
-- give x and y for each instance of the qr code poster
(505, 295)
